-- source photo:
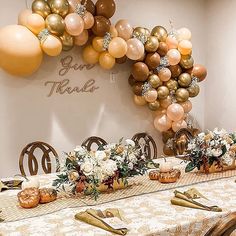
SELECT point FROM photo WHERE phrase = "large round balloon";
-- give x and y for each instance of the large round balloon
(117, 47)
(124, 29)
(105, 8)
(135, 49)
(140, 71)
(162, 123)
(175, 112)
(20, 51)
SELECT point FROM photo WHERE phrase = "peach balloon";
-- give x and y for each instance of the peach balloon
(90, 55)
(187, 106)
(184, 33)
(165, 102)
(185, 47)
(117, 47)
(22, 17)
(175, 112)
(151, 95)
(135, 49)
(113, 31)
(74, 24)
(35, 23)
(164, 74)
(162, 123)
(139, 100)
(52, 46)
(173, 56)
(98, 44)
(124, 29)
(20, 50)
(177, 125)
(106, 61)
(81, 39)
(88, 20)
(171, 42)
(72, 5)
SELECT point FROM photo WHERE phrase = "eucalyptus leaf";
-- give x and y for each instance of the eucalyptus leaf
(190, 166)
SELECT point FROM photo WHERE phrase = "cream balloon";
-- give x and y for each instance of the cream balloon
(117, 47)
(35, 23)
(124, 29)
(22, 17)
(74, 24)
(151, 95)
(173, 56)
(106, 61)
(187, 106)
(171, 42)
(164, 74)
(90, 55)
(139, 100)
(52, 46)
(135, 49)
(185, 47)
(162, 123)
(88, 20)
(20, 50)
(177, 125)
(184, 34)
(81, 39)
(175, 112)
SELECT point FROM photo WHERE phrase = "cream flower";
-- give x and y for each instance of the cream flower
(87, 168)
(100, 155)
(109, 167)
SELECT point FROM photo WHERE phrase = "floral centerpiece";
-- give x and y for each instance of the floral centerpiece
(85, 171)
(212, 151)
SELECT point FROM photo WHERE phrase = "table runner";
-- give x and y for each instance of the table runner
(138, 186)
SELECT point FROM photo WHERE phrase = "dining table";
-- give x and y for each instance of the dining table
(150, 214)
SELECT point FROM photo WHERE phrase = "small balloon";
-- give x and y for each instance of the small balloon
(193, 90)
(152, 44)
(121, 60)
(140, 71)
(162, 92)
(172, 85)
(67, 41)
(74, 24)
(173, 56)
(187, 106)
(55, 24)
(22, 17)
(185, 47)
(153, 106)
(52, 46)
(135, 49)
(90, 55)
(82, 39)
(138, 88)
(175, 71)
(175, 112)
(164, 74)
(182, 95)
(98, 44)
(117, 47)
(154, 81)
(60, 7)
(162, 49)
(35, 23)
(199, 71)
(151, 95)
(184, 34)
(160, 111)
(88, 20)
(162, 123)
(171, 42)
(73, 5)
(105, 8)
(113, 32)
(41, 7)
(101, 26)
(184, 80)
(131, 80)
(124, 29)
(139, 100)
(177, 125)
(106, 61)
(152, 60)
(165, 102)
(186, 62)
(160, 32)
(90, 7)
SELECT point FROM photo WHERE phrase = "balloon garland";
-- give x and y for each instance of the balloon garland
(163, 76)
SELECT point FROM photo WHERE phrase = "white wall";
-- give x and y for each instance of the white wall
(27, 114)
(221, 50)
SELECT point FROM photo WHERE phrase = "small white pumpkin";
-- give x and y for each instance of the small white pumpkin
(30, 183)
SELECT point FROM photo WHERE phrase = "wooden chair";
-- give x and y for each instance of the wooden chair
(93, 140)
(147, 144)
(30, 152)
(224, 227)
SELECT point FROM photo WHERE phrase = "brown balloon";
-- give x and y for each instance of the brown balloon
(121, 60)
(142, 58)
(168, 151)
(182, 95)
(105, 8)
(131, 80)
(199, 71)
(162, 49)
(89, 6)
(167, 135)
(154, 80)
(185, 80)
(172, 85)
(193, 90)
(138, 88)
(152, 60)
(101, 26)
(175, 71)
(162, 92)
(140, 71)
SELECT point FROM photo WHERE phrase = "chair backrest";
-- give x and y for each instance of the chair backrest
(224, 227)
(92, 141)
(147, 145)
(35, 151)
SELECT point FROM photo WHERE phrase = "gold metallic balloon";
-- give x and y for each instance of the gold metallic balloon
(185, 80)
(172, 85)
(139, 30)
(162, 92)
(182, 95)
(154, 80)
(160, 32)
(186, 62)
(41, 7)
(193, 90)
(154, 105)
(60, 7)
(147, 32)
(152, 44)
(67, 41)
(55, 24)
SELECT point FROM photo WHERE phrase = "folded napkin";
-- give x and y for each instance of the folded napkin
(188, 199)
(109, 220)
(11, 184)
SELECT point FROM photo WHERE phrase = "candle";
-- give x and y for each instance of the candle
(165, 166)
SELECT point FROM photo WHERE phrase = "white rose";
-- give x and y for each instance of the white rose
(109, 167)
(216, 152)
(87, 168)
(130, 142)
(130, 166)
(100, 155)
